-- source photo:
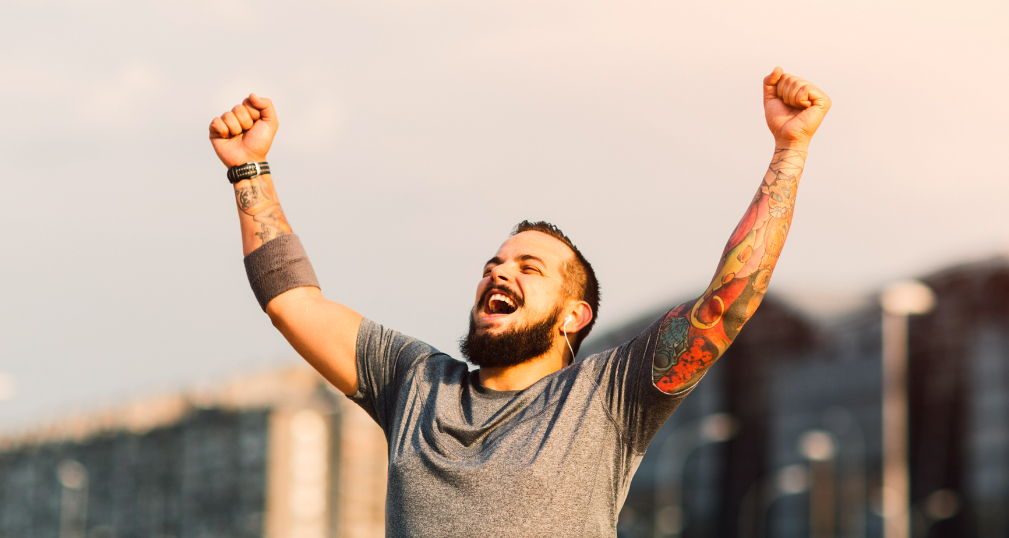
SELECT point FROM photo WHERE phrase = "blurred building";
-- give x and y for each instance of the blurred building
(276, 455)
(803, 395)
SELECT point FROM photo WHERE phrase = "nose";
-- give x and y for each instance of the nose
(499, 274)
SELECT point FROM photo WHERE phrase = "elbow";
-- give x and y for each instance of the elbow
(279, 321)
(292, 303)
(733, 322)
(274, 312)
(280, 315)
(275, 319)
(739, 313)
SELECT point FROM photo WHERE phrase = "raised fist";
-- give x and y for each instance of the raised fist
(793, 108)
(245, 133)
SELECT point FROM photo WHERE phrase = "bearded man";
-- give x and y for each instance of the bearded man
(532, 443)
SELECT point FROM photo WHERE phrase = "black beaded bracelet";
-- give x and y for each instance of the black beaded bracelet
(247, 171)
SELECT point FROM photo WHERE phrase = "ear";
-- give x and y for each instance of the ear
(577, 316)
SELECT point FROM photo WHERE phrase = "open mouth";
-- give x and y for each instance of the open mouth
(499, 303)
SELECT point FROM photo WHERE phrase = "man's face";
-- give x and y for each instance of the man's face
(520, 298)
(522, 283)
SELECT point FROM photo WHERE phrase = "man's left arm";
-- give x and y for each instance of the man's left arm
(694, 334)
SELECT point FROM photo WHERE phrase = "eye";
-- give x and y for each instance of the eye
(532, 269)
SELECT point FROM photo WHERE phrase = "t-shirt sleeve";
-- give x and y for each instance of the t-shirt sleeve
(635, 403)
(384, 360)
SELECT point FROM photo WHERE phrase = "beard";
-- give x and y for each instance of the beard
(511, 347)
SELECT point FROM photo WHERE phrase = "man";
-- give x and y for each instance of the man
(532, 443)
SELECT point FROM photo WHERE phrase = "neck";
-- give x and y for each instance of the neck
(522, 376)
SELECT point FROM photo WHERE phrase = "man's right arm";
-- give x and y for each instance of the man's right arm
(322, 331)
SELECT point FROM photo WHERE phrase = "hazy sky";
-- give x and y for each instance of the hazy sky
(415, 134)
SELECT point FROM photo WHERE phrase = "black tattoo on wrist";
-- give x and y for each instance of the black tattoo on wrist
(787, 159)
(248, 197)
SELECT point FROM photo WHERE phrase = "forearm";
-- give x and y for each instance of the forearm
(693, 335)
(259, 212)
(275, 261)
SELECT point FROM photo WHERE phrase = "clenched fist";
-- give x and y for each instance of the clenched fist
(245, 133)
(793, 108)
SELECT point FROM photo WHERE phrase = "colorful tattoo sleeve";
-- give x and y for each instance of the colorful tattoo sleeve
(694, 334)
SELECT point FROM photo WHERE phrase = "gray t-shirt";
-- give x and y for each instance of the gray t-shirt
(554, 460)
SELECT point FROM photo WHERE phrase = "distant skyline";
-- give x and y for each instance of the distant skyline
(415, 134)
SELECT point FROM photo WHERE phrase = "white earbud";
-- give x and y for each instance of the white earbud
(565, 329)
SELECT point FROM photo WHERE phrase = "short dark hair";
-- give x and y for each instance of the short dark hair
(579, 279)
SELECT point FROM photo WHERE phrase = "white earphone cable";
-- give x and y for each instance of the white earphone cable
(567, 340)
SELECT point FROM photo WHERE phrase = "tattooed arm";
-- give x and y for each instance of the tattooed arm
(259, 211)
(322, 331)
(244, 134)
(694, 334)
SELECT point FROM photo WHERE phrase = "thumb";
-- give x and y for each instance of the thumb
(770, 81)
(265, 107)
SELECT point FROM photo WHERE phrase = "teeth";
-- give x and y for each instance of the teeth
(504, 298)
(494, 303)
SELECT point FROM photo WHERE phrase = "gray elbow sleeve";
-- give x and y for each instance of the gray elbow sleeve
(278, 266)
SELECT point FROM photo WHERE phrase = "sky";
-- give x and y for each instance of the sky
(415, 134)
